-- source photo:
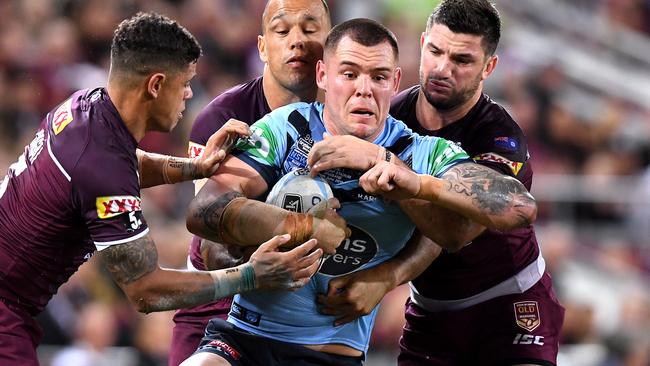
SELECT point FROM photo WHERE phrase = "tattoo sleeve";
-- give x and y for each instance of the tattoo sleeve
(131, 261)
(497, 200)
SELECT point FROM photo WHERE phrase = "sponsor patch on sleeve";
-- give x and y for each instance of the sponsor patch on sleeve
(195, 150)
(507, 143)
(112, 206)
(496, 158)
(62, 116)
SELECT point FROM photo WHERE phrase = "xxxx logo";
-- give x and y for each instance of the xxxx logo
(62, 117)
(108, 207)
(195, 150)
(513, 165)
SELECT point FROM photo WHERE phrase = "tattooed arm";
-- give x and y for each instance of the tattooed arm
(474, 191)
(156, 169)
(221, 212)
(134, 266)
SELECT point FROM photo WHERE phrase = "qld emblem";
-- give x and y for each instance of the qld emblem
(527, 315)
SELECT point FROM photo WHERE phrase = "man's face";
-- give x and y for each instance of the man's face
(169, 106)
(452, 67)
(359, 82)
(294, 34)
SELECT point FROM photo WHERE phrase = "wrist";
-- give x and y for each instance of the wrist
(383, 154)
(300, 226)
(192, 172)
(430, 188)
(228, 282)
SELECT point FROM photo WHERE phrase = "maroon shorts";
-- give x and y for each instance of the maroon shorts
(189, 328)
(19, 336)
(507, 330)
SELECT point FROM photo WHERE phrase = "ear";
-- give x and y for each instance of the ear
(321, 75)
(424, 34)
(490, 65)
(261, 48)
(155, 83)
(398, 78)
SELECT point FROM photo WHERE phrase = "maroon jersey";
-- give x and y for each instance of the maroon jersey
(247, 103)
(491, 137)
(75, 189)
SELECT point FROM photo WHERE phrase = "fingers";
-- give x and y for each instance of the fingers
(308, 265)
(228, 133)
(302, 250)
(347, 318)
(333, 203)
(273, 244)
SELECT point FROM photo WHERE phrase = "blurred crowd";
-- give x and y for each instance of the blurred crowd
(49, 48)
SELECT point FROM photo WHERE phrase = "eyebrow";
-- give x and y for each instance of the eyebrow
(465, 54)
(376, 69)
(306, 17)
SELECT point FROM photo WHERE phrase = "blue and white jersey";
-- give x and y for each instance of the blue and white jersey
(281, 142)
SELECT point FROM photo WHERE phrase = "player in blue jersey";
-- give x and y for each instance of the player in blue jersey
(486, 299)
(76, 190)
(293, 34)
(359, 74)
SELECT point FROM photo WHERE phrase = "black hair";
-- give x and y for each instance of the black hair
(149, 42)
(364, 31)
(475, 17)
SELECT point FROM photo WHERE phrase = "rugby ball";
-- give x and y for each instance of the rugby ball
(298, 192)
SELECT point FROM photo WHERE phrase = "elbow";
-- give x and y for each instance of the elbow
(142, 305)
(524, 213)
(193, 219)
(144, 300)
(527, 211)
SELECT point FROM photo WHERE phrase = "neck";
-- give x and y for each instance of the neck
(278, 96)
(130, 108)
(434, 119)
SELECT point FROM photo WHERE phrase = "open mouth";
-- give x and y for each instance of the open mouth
(363, 112)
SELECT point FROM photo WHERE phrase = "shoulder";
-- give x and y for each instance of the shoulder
(493, 117)
(85, 126)
(404, 101)
(245, 102)
(498, 140)
(283, 114)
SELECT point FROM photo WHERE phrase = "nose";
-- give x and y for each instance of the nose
(298, 39)
(443, 67)
(364, 86)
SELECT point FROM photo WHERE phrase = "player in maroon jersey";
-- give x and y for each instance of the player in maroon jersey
(293, 33)
(76, 189)
(486, 299)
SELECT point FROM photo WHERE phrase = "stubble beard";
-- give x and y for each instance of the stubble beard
(457, 97)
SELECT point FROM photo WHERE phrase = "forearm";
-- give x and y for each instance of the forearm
(445, 227)
(157, 169)
(168, 289)
(410, 262)
(479, 193)
(233, 219)
(134, 266)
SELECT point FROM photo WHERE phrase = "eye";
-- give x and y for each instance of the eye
(380, 78)
(282, 32)
(348, 74)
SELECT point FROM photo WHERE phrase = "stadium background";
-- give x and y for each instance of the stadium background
(574, 74)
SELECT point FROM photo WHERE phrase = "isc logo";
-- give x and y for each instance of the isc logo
(528, 339)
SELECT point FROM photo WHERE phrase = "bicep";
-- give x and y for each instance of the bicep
(129, 262)
(235, 175)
